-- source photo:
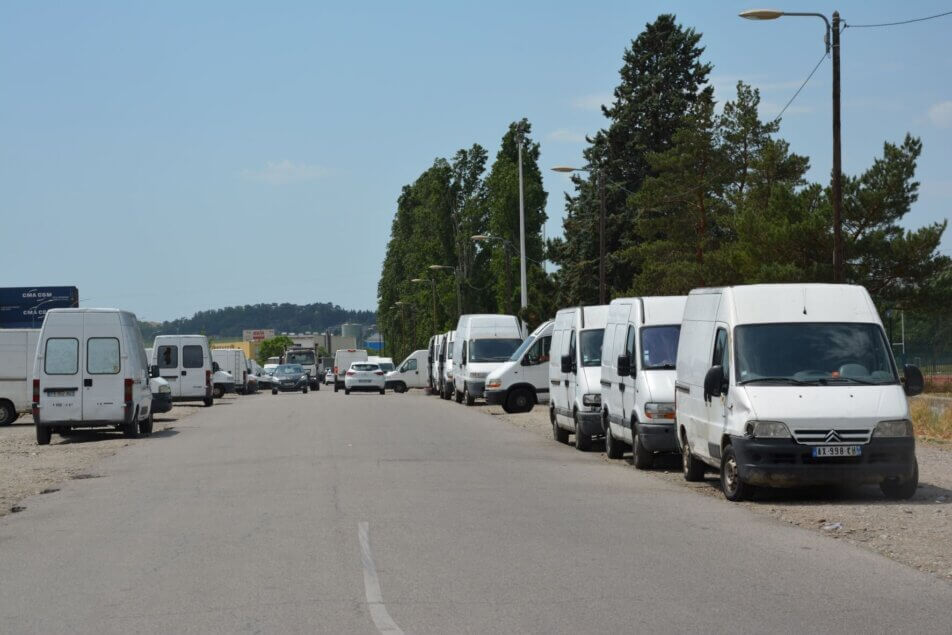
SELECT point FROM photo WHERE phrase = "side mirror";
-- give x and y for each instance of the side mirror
(714, 383)
(624, 366)
(216, 367)
(525, 361)
(154, 371)
(566, 363)
(914, 384)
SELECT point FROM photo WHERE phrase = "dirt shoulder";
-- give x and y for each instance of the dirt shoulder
(917, 532)
(27, 469)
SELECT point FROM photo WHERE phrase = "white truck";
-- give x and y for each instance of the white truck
(17, 350)
(232, 360)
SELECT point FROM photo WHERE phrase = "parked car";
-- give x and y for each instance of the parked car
(523, 381)
(17, 352)
(446, 373)
(329, 377)
(90, 371)
(789, 384)
(638, 372)
(575, 371)
(343, 358)
(290, 378)
(410, 374)
(483, 343)
(161, 395)
(186, 363)
(364, 376)
(233, 360)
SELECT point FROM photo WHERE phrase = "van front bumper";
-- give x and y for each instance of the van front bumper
(495, 397)
(591, 423)
(476, 388)
(161, 402)
(658, 437)
(785, 463)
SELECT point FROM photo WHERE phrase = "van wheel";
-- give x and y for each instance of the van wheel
(8, 413)
(218, 392)
(130, 429)
(613, 447)
(336, 387)
(519, 400)
(317, 386)
(399, 387)
(583, 442)
(558, 433)
(897, 490)
(458, 396)
(208, 401)
(43, 435)
(146, 426)
(304, 390)
(470, 400)
(274, 391)
(692, 469)
(734, 488)
(346, 391)
(641, 457)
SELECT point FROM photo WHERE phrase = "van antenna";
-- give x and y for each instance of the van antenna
(804, 301)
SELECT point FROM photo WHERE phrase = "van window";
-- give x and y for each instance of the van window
(61, 356)
(722, 352)
(538, 353)
(192, 356)
(517, 354)
(659, 347)
(492, 350)
(590, 342)
(167, 357)
(630, 344)
(102, 356)
(571, 352)
(410, 365)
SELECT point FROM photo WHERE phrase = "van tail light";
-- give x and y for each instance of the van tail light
(208, 378)
(127, 390)
(350, 373)
(335, 370)
(36, 391)
(378, 372)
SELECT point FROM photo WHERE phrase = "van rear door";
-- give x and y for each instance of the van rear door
(167, 358)
(192, 382)
(61, 397)
(103, 388)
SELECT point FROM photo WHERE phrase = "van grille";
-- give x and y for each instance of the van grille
(832, 436)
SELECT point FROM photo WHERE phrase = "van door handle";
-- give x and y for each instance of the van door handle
(87, 382)
(183, 373)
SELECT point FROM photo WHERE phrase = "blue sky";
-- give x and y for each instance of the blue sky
(178, 156)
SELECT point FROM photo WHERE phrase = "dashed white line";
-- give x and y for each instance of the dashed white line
(378, 611)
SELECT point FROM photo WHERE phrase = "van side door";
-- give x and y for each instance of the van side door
(103, 376)
(629, 392)
(571, 379)
(192, 373)
(716, 419)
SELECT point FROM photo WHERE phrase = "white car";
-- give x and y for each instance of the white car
(329, 377)
(364, 376)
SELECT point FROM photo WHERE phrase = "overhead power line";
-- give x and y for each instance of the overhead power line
(809, 77)
(870, 26)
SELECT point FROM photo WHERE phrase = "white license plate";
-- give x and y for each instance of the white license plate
(364, 381)
(825, 451)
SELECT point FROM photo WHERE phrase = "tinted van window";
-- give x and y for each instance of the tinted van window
(192, 356)
(167, 357)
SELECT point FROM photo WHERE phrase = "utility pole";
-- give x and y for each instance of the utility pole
(838, 264)
(524, 292)
(602, 295)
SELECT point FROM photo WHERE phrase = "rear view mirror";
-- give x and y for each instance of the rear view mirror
(153, 371)
(714, 383)
(624, 366)
(913, 384)
(216, 367)
(566, 363)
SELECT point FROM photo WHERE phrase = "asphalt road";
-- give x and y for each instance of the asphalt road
(362, 514)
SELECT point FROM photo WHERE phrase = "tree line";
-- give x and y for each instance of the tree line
(695, 195)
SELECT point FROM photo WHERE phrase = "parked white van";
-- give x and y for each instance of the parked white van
(436, 365)
(522, 382)
(575, 371)
(17, 351)
(233, 361)
(638, 373)
(410, 374)
(483, 343)
(90, 371)
(786, 384)
(430, 374)
(343, 358)
(186, 363)
(446, 368)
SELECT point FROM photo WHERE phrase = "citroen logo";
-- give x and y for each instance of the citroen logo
(833, 437)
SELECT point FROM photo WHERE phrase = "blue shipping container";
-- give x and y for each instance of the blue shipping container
(25, 307)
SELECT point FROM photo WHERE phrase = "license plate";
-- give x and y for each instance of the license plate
(364, 381)
(825, 451)
(60, 393)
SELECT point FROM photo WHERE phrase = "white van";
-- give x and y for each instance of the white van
(638, 373)
(186, 363)
(410, 374)
(575, 372)
(90, 371)
(233, 361)
(343, 358)
(523, 381)
(430, 373)
(787, 384)
(483, 343)
(436, 366)
(17, 350)
(446, 369)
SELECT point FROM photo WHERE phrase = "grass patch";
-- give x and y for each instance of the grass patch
(932, 420)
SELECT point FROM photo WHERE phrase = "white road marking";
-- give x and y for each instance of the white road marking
(378, 611)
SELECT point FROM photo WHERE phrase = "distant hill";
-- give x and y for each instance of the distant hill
(289, 318)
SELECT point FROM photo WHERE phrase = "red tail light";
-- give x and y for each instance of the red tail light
(350, 373)
(127, 390)
(335, 370)
(36, 391)
(378, 372)
(208, 378)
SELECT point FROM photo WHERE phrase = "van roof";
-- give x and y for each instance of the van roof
(596, 315)
(815, 302)
(657, 309)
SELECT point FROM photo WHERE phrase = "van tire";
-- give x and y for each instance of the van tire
(399, 387)
(470, 400)
(130, 428)
(614, 449)
(692, 469)
(274, 391)
(896, 490)
(519, 400)
(583, 442)
(146, 426)
(304, 390)
(559, 433)
(218, 392)
(346, 390)
(734, 488)
(43, 435)
(383, 391)
(208, 401)
(641, 457)
(8, 414)
(336, 386)
(458, 396)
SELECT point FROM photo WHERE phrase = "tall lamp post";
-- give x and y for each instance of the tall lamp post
(455, 270)
(523, 286)
(433, 288)
(834, 31)
(602, 290)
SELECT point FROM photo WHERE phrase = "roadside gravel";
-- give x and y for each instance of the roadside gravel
(917, 532)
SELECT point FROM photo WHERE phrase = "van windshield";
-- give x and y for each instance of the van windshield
(659, 347)
(590, 346)
(822, 354)
(517, 355)
(492, 350)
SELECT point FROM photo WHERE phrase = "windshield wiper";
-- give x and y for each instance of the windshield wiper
(852, 379)
(789, 380)
(661, 367)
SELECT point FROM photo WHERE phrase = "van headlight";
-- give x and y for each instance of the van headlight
(592, 399)
(895, 428)
(659, 410)
(449, 374)
(165, 388)
(767, 430)
(494, 383)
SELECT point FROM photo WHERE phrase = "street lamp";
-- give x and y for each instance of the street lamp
(602, 291)
(523, 288)
(455, 270)
(834, 31)
(433, 285)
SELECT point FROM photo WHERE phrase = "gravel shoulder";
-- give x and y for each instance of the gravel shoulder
(917, 532)
(27, 469)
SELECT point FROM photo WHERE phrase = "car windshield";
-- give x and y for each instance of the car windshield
(289, 369)
(659, 347)
(517, 354)
(300, 357)
(492, 350)
(825, 354)
(364, 366)
(590, 345)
